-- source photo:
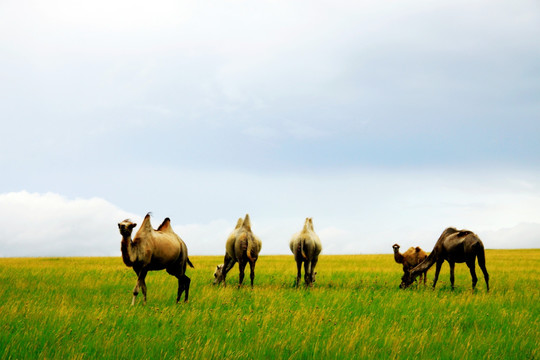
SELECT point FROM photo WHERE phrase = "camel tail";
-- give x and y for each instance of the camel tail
(302, 245)
(189, 263)
(482, 263)
(251, 252)
(481, 255)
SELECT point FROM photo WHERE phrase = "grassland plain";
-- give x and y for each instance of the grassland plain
(79, 308)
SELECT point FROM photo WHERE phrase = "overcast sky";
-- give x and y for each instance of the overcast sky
(384, 121)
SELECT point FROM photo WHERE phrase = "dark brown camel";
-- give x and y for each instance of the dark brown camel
(154, 250)
(454, 246)
(410, 258)
(243, 247)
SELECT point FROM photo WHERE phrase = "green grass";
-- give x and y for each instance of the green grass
(79, 308)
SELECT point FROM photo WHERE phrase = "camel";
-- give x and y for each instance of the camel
(454, 246)
(410, 258)
(306, 247)
(152, 250)
(243, 247)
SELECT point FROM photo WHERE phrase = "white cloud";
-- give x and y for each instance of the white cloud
(51, 225)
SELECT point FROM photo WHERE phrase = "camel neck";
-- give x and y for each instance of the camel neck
(126, 240)
(125, 247)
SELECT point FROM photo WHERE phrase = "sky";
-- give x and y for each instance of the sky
(386, 122)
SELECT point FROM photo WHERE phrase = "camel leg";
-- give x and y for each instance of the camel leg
(183, 285)
(141, 275)
(252, 271)
(452, 266)
(242, 266)
(472, 270)
(143, 286)
(135, 293)
(437, 271)
(228, 265)
(425, 277)
(299, 273)
(307, 272)
(312, 271)
(482, 264)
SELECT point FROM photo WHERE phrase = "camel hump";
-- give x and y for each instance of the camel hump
(306, 225)
(239, 223)
(165, 225)
(247, 223)
(146, 224)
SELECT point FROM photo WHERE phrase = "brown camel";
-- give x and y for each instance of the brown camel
(454, 246)
(410, 258)
(154, 250)
(306, 247)
(242, 247)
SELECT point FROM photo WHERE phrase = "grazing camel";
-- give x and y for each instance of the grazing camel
(410, 258)
(454, 246)
(154, 250)
(306, 247)
(242, 247)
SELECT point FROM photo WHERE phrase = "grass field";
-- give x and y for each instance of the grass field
(79, 308)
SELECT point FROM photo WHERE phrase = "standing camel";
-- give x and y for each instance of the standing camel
(154, 250)
(243, 247)
(454, 246)
(306, 247)
(410, 258)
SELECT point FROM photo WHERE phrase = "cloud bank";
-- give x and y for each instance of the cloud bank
(353, 214)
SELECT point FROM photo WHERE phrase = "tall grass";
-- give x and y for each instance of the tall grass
(79, 308)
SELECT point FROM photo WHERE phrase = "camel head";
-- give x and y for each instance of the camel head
(395, 247)
(218, 274)
(406, 280)
(126, 227)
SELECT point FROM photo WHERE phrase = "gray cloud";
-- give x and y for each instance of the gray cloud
(405, 84)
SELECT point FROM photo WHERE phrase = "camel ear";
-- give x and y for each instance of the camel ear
(132, 225)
